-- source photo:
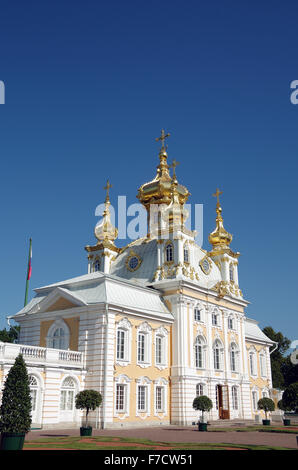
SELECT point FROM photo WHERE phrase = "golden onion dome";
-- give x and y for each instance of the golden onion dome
(219, 238)
(159, 191)
(105, 230)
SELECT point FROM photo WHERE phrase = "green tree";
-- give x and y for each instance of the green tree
(202, 403)
(290, 397)
(88, 400)
(289, 371)
(277, 356)
(266, 404)
(9, 336)
(15, 410)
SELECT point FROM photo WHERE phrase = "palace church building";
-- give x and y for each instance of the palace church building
(150, 326)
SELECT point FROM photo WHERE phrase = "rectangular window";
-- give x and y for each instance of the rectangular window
(120, 344)
(159, 399)
(216, 359)
(251, 363)
(197, 314)
(263, 365)
(141, 347)
(254, 400)
(33, 394)
(141, 398)
(159, 350)
(120, 398)
(214, 319)
(230, 323)
(235, 398)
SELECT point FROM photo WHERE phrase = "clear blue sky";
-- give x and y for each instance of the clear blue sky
(90, 84)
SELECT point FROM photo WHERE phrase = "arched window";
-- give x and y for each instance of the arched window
(59, 339)
(199, 353)
(33, 384)
(217, 353)
(123, 342)
(169, 252)
(96, 265)
(235, 398)
(58, 335)
(263, 368)
(230, 323)
(67, 394)
(252, 362)
(199, 390)
(233, 357)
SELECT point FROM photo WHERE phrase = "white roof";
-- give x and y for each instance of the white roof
(254, 332)
(96, 288)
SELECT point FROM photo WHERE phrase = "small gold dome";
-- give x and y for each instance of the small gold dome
(219, 238)
(105, 230)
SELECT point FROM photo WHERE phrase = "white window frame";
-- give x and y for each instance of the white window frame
(254, 399)
(220, 349)
(263, 364)
(69, 392)
(161, 334)
(145, 331)
(124, 326)
(125, 381)
(169, 252)
(200, 342)
(200, 387)
(146, 383)
(58, 325)
(235, 398)
(252, 358)
(234, 350)
(162, 384)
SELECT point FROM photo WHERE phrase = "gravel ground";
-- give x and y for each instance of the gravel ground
(180, 434)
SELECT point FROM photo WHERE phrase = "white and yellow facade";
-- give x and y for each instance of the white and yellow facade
(150, 326)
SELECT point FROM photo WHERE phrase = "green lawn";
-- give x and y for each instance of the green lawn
(118, 443)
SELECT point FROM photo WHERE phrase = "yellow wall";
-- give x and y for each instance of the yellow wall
(134, 371)
(73, 325)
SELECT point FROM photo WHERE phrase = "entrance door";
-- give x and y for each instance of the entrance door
(222, 395)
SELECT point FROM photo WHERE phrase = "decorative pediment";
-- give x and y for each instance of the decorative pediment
(60, 299)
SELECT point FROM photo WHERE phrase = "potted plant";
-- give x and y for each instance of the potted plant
(267, 405)
(87, 400)
(15, 410)
(282, 407)
(202, 403)
(290, 400)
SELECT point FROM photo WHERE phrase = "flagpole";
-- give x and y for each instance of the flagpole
(28, 273)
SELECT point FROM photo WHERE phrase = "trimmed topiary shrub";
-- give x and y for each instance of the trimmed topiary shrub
(202, 403)
(266, 404)
(15, 410)
(88, 400)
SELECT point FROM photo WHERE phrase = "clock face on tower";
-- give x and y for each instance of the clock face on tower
(205, 265)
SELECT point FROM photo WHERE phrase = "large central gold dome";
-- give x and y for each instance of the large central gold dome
(158, 191)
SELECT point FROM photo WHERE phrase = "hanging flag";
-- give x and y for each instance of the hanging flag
(29, 271)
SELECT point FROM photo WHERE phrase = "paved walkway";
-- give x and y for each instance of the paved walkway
(180, 434)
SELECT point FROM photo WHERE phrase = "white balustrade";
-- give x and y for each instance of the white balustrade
(40, 355)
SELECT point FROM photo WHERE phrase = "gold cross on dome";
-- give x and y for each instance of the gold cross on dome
(173, 165)
(162, 138)
(107, 188)
(217, 194)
